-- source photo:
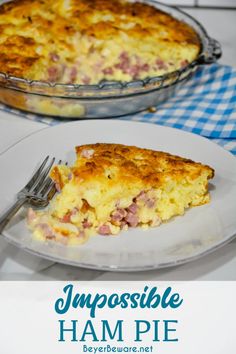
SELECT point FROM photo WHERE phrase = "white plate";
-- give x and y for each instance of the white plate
(184, 238)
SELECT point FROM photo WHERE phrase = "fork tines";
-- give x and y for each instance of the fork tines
(41, 186)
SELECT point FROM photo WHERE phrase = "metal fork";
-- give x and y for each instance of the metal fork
(37, 192)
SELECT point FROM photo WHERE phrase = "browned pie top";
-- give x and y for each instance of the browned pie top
(84, 41)
(115, 164)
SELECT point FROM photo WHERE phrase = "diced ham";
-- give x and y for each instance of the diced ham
(142, 66)
(86, 224)
(104, 230)
(118, 215)
(87, 153)
(145, 67)
(124, 62)
(31, 215)
(124, 56)
(141, 196)
(136, 69)
(118, 66)
(161, 64)
(132, 219)
(53, 73)
(133, 208)
(73, 74)
(132, 70)
(70, 176)
(108, 71)
(128, 69)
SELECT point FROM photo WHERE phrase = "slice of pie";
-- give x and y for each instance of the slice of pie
(113, 187)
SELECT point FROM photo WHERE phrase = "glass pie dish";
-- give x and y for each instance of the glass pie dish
(108, 98)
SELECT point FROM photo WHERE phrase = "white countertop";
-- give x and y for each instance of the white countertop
(220, 265)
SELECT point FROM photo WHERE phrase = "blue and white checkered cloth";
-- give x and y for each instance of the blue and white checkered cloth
(205, 105)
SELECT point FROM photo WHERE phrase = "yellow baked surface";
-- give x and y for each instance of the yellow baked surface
(86, 41)
(113, 187)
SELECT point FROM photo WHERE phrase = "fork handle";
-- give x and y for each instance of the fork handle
(6, 217)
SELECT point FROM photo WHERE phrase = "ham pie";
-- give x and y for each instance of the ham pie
(114, 187)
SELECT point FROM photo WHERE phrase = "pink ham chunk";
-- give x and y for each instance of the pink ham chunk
(133, 208)
(124, 62)
(132, 219)
(86, 224)
(133, 69)
(118, 215)
(136, 70)
(104, 230)
(149, 202)
(73, 74)
(141, 196)
(124, 57)
(161, 64)
(144, 67)
(108, 71)
(54, 73)
(126, 216)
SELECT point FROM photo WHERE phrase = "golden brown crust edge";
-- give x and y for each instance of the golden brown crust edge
(130, 164)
